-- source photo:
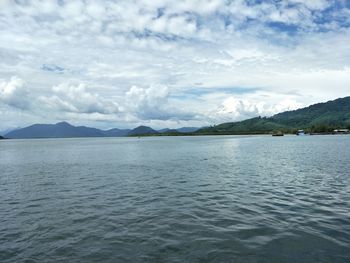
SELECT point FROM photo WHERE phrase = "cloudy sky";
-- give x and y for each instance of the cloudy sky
(168, 63)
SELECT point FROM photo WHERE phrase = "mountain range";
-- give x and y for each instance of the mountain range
(66, 130)
(321, 117)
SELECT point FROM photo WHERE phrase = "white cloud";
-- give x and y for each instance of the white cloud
(234, 108)
(239, 109)
(14, 93)
(137, 59)
(75, 98)
(153, 103)
(313, 4)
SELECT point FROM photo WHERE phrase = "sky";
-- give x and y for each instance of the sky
(167, 63)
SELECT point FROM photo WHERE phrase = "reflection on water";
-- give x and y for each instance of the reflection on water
(176, 199)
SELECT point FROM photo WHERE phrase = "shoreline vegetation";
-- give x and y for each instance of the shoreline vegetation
(332, 117)
(183, 135)
(222, 133)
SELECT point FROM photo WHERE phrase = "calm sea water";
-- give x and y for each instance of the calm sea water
(176, 199)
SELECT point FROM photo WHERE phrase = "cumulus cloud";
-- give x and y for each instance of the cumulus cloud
(137, 59)
(75, 98)
(14, 93)
(154, 103)
(233, 108)
(147, 103)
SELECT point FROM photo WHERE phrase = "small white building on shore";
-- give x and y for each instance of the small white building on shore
(342, 131)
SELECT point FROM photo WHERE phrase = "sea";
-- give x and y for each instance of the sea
(176, 199)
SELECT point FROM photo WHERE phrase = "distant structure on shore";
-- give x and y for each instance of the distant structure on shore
(342, 131)
(300, 132)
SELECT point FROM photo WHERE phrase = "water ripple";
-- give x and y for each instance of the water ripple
(200, 199)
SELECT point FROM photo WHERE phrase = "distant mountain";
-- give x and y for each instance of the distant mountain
(66, 130)
(172, 131)
(188, 129)
(58, 130)
(2, 133)
(142, 130)
(1, 138)
(116, 132)
(62, 130)
(163, 130)
(321, 117)
(180, 130)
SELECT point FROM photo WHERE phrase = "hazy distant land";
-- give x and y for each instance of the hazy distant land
(317, 118)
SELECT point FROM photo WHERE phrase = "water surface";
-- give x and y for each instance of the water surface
(176, 199)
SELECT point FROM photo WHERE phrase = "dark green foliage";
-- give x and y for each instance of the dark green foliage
(331, 114)
(250, 126)
(321, 117)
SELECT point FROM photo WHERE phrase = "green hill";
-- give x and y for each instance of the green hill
(321, 117)
(331, 114)
(256, 125)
